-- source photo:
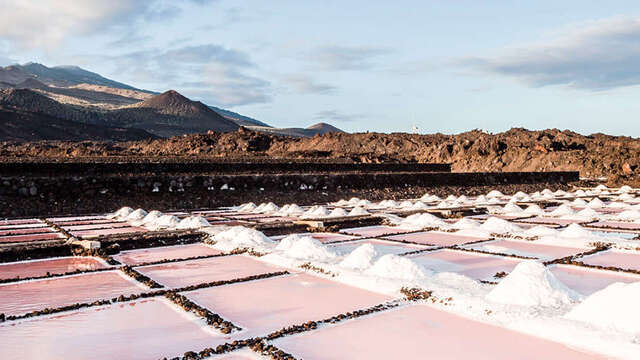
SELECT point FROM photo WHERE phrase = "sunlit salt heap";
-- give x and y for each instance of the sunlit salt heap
(138, 214)
(494, 194)
(562, 211)
(290, 210)
(358, 211)
(338, 212)
(397, 267)
(615, 306)
(421, 221)
(360, 258)
(193, 222)
(533, 210)
(628, 215)
(152, 217)
(240, 237)
(540, 230)
(166, 222)
(595, 203)
(304, 248)
(248, 207)
(575, 231)
(532, 284)
(315, 212)
(497, 225)
(122, 213)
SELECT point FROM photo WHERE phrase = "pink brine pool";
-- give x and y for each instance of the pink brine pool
(20, 298)
(30, 238)
(622, 260)
(193, 272)
(382, 247)
(528, 249)
(474, 265)
(436, 238)
(54, 266)
(137, 257)
(616, 225)
(146, 329)
(322, 237)
(263, 306)
(421, 332)
(374, 231)
(587, 281)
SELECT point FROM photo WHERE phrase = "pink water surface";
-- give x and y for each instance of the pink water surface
(83, 222)
(382, 247)
(19, 222)
(322, 237)
(30, 237)
(373, 231)
(529, 249)
(101, 232)
(263, 306)
(19, 298)
(26, 231)
(622, 260)
(476, 266)
(54, 266)
(96, 226)
(140, 256)
(587, 281)
(146, 329)
(616, 225)
(421, 332)
(544, 220)
(436, 238)
(76, 218)
(185, 273)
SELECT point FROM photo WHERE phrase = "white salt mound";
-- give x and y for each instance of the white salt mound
(587, 214)
(358, 211)
(240, 237)
(562, 210)
(595, 203)
(338, 212)
(575, 231)
(167, 221)
(579, 202)
(494, 194)
(304, 248)
(500, 226)
(152, 217)
(396, 267)
(512, 209)
(315, 212)
(534, 210)
(421, 221)
(360, 258)
(248, 207)
(193, 222)
(615, 306)
(629, 215)
(122, 213)
(625, 189)
(541, 230)
(532, 284)
(465, 223)
(139, 214)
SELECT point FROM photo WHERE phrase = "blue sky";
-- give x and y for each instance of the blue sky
(445, 66)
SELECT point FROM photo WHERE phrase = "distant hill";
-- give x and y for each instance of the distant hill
(170, 114)
(83, 96)
(317, 129)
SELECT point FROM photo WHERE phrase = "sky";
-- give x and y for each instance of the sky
(442, 66)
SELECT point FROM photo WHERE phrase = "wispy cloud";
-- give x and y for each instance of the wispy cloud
(304, 84)
(597, 55)
(46, 23)
(336, 115)
(210, 72)
(338, 58)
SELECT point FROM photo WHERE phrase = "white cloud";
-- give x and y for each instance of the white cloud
(597, 55)
(303, 84)
(46, 23)
(335, 58)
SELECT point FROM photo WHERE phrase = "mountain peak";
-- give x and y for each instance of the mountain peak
(323, 128)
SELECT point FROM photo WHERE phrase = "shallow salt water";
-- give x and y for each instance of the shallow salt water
(382, 247)
(622, 260)
(587, 281)
(421, 332)
(30, 237)
(263, 306)
(616, 225)
(373, 231)
(99, 232)
(140, 256)
(473, 265)
(54, 266)
(145, 329)
(552, 221)
(23, 297)
(529, 249)
(192, 272)
(322, 237)
(436, 238)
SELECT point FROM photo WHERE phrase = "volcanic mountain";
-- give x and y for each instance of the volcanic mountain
(323, 128)
(170, 114)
